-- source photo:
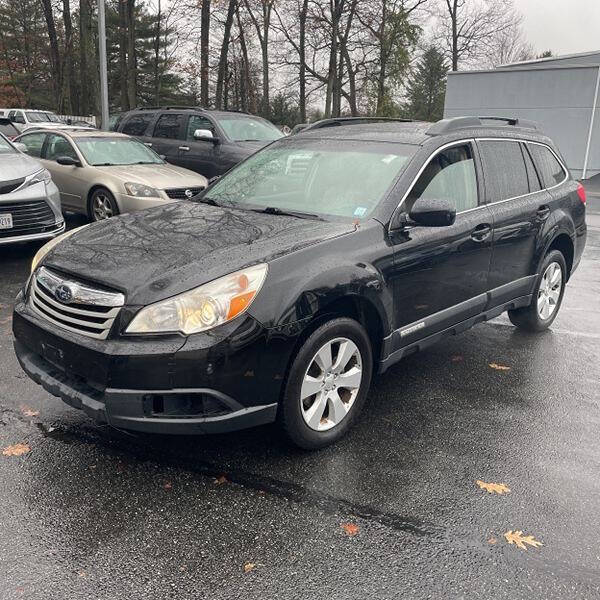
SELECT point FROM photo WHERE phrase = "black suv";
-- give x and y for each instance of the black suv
(320, 260)
(209, 142)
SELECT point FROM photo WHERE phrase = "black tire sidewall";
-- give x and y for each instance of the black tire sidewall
(109, 195)
(290, 414)
(557, 257)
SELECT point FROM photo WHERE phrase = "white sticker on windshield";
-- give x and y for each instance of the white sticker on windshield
(360, 211)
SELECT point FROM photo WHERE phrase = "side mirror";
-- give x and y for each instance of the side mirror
(433, 212)
(205, 135)
(20, 147)
(68, 161)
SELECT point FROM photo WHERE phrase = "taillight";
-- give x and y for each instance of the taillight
(581, 193)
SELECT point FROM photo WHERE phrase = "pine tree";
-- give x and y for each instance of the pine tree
(427, 87)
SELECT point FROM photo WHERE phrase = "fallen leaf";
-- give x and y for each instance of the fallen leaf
(168, 485)
(29, 412)
(183, 568)
(16, 450)
(493, 488)
(220, 480)
(350, 529)
(457, 358)
(517, 538)
(492, 540)
(248, 567)
(499, 367)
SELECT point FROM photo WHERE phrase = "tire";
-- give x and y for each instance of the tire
(350, 361)
(535, 317)
(102, 205)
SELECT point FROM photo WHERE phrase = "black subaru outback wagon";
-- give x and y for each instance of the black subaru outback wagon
(322, 259)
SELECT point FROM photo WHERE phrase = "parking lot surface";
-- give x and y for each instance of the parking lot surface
(392, 511)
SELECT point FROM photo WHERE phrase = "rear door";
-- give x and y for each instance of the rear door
(138, 125)
(519, 206)
(168, 136)
(199, 156)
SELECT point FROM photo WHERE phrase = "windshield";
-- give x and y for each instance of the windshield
(53, 118)
(249, 129)
(5, 147)
(37, 117)
(108, 151)
(337, 178)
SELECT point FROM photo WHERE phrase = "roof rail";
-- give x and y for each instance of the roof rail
(338, 121)
(457, 123)
(169, 108)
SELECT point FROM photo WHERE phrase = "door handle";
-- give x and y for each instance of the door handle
(481, 232)
(148, 144)
(185, 148)
(543, 212)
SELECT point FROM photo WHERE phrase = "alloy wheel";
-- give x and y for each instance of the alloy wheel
(102, 207)
(331, 384)
(549, 292)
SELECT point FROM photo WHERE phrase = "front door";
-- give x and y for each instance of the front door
(199, 156)
(441, 273)
(168, 136)
(70, 180)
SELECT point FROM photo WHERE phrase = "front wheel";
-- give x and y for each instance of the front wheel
(102, 205)
(327, 384)
(547, 296)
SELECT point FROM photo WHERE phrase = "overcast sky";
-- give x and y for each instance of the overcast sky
(563, 26)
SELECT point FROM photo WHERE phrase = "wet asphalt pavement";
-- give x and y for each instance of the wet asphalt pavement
(90, 512)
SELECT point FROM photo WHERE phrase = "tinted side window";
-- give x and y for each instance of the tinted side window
(532, 176)
(8, 129)
(549, 168)
(503, 169)
(59, 146)
(198, 122)
(34, 143)
(449, 175)
(168, 126)
(137, 124)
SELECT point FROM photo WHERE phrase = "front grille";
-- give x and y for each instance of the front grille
(6, 187)
(180, 193)
(28, 218)
(83, 309)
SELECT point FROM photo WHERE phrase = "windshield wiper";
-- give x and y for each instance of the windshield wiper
(273, 210)
(205, 200)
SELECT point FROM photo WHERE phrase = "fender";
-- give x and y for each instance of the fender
(561, 224)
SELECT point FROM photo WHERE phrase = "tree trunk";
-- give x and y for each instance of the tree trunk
(123, 55)
(157, 74)
(204, 50)
(54, 52)
(454, 17)
(87, 62)
(222, 73)
(302, 59)
(131, 55)
(66, 107)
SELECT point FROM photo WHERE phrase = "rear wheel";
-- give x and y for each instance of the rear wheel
(327, 385)
(102, 205)
(547, 296)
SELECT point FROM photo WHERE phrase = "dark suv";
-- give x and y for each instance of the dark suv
(209, 142)
(320, 260)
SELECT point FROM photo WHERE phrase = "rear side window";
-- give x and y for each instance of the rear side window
(137, 124)
(8, 129)
(168, 126)
(503, 169)
(548, 166)
(532, 176)
(449, 175)
(34, 143)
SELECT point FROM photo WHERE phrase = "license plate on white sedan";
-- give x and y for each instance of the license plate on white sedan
(6, 221)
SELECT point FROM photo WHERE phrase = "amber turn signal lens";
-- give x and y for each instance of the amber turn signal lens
(239, 303)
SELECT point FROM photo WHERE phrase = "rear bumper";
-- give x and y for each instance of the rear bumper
(133, 409)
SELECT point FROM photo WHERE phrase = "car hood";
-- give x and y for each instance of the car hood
(16, 166)
(157, 253)
(159, 176)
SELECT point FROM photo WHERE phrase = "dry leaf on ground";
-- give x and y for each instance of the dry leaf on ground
(457, 358)
(349, 528)
(220, 480)
(493, 488)
(499, 367)
(492, 540)
(518, 539)
(167, 485)
(29, 412)
(248, 567)
(16, 450)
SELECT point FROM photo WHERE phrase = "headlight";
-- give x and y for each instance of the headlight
(42, 176)
(51, 244)
(139, 189)
(204, 307)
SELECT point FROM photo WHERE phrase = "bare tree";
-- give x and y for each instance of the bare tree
(508, 46)
(223, 62)
(204, 51)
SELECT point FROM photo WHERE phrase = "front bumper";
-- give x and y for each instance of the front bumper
(128, 204)
(214, 382)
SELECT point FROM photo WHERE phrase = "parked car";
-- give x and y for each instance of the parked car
(102, 174)
(29, 201)
(320, 260)
(209, 142)
(7, 128)
(24, 118)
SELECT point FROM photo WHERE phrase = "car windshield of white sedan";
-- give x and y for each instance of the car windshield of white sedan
(5, 147)
(249, 129)
(37, 117)
(111, 151)
(336, 178)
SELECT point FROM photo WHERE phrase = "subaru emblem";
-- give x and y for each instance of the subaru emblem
(63, 293)
(188, 193)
